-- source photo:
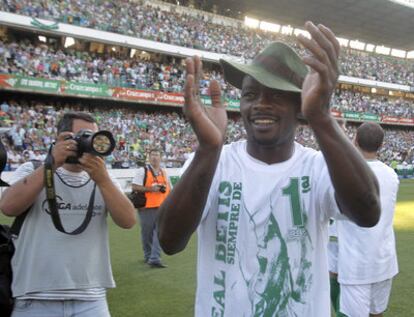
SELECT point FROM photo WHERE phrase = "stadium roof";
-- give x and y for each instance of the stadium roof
(379, 22)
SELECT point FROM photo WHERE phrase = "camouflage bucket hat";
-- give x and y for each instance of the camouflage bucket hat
(278, 66)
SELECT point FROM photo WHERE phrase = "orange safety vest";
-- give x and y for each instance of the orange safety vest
(155, 199)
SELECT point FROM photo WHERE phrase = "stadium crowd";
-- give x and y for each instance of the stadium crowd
(347, 100)
(41, 60)
(32, 129)
(144, 21)
(25, 58)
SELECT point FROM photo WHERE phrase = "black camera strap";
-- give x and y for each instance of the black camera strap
(51, 199)
(154, 176)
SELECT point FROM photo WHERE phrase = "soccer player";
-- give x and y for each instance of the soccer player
(367, 259)
(262, 205)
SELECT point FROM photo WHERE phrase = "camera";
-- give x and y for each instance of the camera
(100, 143)
(163, 188)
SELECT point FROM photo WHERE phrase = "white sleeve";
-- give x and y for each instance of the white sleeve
(22, 171)
(186, 164)
(139, 177)
(167, 178)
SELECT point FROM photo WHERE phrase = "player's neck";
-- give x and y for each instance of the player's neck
(369, 156)
(156, 168)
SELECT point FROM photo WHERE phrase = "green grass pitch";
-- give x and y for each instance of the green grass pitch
(145, 292)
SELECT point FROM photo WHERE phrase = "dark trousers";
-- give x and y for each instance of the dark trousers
(149, 236)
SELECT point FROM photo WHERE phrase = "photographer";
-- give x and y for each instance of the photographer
(53, 272)
(153, 181)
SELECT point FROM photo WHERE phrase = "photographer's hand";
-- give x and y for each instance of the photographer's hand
(156, 188)
(22, 194)
(119, 206)
(64, 147)
(95, 167)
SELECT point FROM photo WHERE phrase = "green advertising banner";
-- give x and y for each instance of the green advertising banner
(352, 115)
(230, 103)
(370, 117)
(13, 82)
(361, 116)
(36, 84)
(233, 104)
(205, 100)
(76, 88)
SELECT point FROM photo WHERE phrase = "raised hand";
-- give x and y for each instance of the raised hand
(320, 82)
(208, 123)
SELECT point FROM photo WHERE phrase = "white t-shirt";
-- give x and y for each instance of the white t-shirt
(75, 180)
(368, 255)
(333, 246)
(262, 240)
(139, 177)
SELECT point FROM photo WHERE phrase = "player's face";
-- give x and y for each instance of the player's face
(269, 115)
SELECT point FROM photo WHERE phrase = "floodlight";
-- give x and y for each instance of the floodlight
(342, 41)
(303, 32)
(42, 38)
(370, 47)
(132, 53)
(251, 23)
(398, 53)
(287, 30)
(357, 45)
(382, 50)
(267, 26)
(69, 41)
(407, 3)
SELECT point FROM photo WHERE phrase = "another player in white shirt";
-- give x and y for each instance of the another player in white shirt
(367, 259)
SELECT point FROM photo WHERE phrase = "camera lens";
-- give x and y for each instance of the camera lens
(103, 143)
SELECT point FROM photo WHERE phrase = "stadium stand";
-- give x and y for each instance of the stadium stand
(31, 122)
(147, 22)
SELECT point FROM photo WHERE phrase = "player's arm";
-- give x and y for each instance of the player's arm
(22, 194)
(181, 212)
(356, 188)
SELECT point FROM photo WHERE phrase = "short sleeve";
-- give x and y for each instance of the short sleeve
(21, 172)
(117, 184)
(139, 177)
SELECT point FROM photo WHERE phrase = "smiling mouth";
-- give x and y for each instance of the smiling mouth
(264, 122)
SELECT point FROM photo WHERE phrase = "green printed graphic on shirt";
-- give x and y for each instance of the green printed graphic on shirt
(275, 287)
(279, 282)
(226, 237)
(227, 221)
(283, 275)
(219, 294)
